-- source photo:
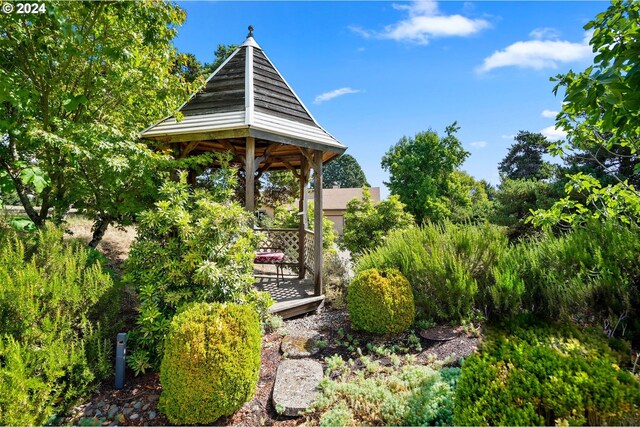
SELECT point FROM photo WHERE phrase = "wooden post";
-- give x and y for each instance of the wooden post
(302, 209)
(249, 174)
(191, 178)
(317, 222)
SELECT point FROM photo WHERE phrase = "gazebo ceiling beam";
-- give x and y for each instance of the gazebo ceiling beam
(188, 148)
(306, 154)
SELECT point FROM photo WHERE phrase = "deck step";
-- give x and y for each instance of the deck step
(296, 307)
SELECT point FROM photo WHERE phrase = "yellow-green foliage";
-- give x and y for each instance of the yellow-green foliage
(403, 394)
(211, 362)
(58, 312)
(380, 301)
(535, 373)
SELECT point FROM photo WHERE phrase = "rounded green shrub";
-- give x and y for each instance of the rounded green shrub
(380, 301)
(211, 362)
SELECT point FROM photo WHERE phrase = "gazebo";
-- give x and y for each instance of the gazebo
(246, 108)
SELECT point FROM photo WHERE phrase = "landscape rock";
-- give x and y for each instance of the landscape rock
(113, 411)
(296, 386)
(300, 346)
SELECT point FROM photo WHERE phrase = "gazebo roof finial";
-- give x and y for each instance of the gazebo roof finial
(250, 31)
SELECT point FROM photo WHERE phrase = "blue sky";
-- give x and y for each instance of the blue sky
(371, 72)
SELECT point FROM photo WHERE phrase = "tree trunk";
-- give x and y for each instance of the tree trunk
(99, 228)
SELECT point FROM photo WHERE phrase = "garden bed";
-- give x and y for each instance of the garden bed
(140, 396)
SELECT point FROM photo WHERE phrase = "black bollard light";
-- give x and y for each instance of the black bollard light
(121, 351)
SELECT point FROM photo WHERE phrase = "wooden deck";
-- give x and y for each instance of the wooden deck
(293, 296)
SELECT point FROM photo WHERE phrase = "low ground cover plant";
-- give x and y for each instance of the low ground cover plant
(211, 362)
(400, 394)
(533, 373)
(58, 317)
(380, 301)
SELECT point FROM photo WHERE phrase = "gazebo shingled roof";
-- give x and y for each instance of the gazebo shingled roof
(247, 97)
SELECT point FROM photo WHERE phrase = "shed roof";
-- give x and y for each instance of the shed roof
(246, 96)
(338, 198)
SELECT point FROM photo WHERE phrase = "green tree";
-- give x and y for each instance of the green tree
(366, 225)
(278, 188)
(524, 159)
(420, 168)
(517, 198)
(601, 110)
(221, 55)
(468, 201)
(346, 172)
(77, 84)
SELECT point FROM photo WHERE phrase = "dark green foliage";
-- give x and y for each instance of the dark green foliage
(345, 171)
(514, 201)
(278, 188)
(58, 317)
(591, 271)
(540, 374)
(366, 225)
(449, 266)
(211, 362)
(419, 171)
(189, 248)
(524, 159)
(380, 302)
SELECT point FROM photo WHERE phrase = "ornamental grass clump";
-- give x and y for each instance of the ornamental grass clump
(380, 301)
(211, 362)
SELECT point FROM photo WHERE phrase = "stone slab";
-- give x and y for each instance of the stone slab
(296, 386)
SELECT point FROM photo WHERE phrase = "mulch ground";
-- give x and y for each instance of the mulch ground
(137, 403)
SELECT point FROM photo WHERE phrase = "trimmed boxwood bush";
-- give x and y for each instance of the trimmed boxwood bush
(211, 362)
(546, 374)
(380, 301)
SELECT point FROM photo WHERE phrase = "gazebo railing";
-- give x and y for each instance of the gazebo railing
(309, 237)
(287, 239)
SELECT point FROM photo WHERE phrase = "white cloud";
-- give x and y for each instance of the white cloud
(479, 144)
(537, 54)
(361, 31)
(425, 22)
(544, 33)
(550, 114)
(508, 136)
(553, 133)
(328, 96)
